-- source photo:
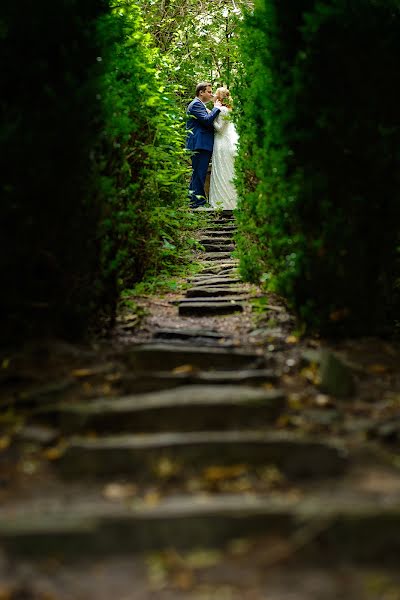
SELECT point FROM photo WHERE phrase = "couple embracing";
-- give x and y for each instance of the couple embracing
(212, 133)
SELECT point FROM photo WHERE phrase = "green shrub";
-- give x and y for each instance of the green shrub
(319, 159)
(94, 177)
(142, 160)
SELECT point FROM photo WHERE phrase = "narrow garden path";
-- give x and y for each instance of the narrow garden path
(205, 453)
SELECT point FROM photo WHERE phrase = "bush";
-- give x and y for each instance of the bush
(319, 158)
(142, 161)
(94, 173)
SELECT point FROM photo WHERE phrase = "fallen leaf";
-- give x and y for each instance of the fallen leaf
(218, 473)
(292, 339)
(296, 401)
(55, 452)
(377, 369)
(166, 468)
(4, 442)
(323, 400)
(339, 315)
(152, 498)
(113, 377)
(82, 373)
(119, 491)
(268, 386)
(6, 593)
(311, 373)
(272, 475)
(183, 580)
(184, 369)
(201, 559)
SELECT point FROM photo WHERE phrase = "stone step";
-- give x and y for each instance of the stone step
(198, 292)
(202, 309)
(220, 232)
(157, 357)
(186, 408)
(159, 380)
(219, 270)
(232, 262)
(213, 299)
(139, 455)
(214, 247)
(185, 334)
(215, 281)
(217, 241)
(216, 255)
(201, 342)
(199, 338)
(218, 214)
(221, 224)
(212, 267)
(217, 235)
(330, 530)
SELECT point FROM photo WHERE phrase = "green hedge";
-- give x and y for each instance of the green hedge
(142, 161)
(318, 168)
(93, 188)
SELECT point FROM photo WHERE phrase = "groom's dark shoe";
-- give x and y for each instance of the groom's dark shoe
(198, 202)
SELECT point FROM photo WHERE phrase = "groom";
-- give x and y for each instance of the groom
(200, 140)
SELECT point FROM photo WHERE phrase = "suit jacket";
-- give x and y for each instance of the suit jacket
(200, 126)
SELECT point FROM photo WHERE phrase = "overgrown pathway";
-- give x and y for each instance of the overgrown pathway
(202, 455)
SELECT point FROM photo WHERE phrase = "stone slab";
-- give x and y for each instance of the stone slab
(216, 240)
(201, 309)
(357, 532)
(198, 292)
(155, 381)
(212, 299)
(156, 357)
(186, 408)
(225, 212)
(215, 281)
(226, 230)
(220, 271)
(216, 255)
(214, 247)
(224, 221)
(184, 334)
(138, 455)
(232, 262)
(216, 236)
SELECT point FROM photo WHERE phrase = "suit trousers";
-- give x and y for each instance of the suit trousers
(200, 162)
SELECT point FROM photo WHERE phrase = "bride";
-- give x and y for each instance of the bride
(222, 190)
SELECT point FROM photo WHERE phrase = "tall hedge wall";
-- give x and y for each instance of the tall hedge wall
(142, 160)
(93, 179)
(319, 163)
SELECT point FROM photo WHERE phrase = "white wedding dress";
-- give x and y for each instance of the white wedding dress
(222, 192)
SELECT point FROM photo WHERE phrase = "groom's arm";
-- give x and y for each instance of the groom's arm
(199, 112)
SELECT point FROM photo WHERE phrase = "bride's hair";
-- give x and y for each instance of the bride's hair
(224, 95)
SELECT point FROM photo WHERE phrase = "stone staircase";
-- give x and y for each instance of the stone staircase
(189, 454)
(216, 291)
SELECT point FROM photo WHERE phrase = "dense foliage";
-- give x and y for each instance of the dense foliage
(94, 177)
(143, 164)
(319, 159)
(198, 41)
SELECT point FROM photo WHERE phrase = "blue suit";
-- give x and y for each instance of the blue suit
(200, 141)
